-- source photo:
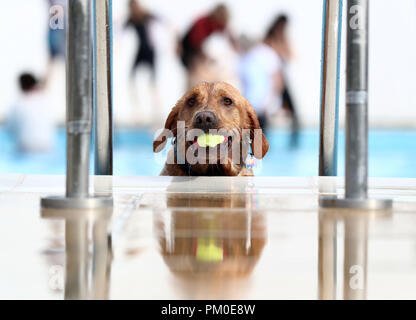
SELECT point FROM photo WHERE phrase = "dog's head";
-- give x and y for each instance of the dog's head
(213, 126)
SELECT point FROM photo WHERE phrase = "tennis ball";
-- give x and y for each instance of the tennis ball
(208, 251)
(210, 140)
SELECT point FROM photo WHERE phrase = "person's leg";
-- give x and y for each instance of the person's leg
(289, 105)
(263, 122)
(189, 58)
(133, 88)
(155, 97)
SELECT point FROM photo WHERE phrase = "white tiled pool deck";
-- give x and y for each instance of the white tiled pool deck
(207, 238)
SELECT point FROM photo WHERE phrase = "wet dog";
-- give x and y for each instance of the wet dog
(214, 129)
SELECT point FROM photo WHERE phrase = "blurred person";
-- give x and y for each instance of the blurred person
(282, 46)
(245, 43)
(193, 57)
(142, 22)
(262, 78)
(30, 120)
(140, 19)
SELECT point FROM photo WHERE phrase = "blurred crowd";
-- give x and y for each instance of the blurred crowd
(261, 69)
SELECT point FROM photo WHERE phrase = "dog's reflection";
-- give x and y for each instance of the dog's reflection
(206, 237)
(211, 243)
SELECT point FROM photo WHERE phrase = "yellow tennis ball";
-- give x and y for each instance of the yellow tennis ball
(208, 251)
(210, 140)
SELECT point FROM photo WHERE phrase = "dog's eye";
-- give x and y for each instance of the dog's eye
(191, 102)
(227, 101)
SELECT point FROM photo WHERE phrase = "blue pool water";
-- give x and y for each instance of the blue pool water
(392, 154)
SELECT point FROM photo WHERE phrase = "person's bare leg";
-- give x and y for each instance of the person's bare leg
(156, 102)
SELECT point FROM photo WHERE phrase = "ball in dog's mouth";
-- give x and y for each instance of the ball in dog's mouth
(209, 141)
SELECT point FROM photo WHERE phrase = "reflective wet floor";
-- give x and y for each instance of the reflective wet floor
(206, 238)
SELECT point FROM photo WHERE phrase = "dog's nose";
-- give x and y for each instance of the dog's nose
(205, 120)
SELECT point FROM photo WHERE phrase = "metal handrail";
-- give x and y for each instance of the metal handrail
(80, 102)
(330, 74)
(356, 152)
(103, 95)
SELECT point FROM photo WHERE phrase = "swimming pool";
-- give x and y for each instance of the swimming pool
(392, 154)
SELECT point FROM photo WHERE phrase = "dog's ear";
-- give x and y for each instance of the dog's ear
(169, 131)
(259, 143)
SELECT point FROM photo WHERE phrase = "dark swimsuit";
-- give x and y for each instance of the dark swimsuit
(145, 54)
(193, 40)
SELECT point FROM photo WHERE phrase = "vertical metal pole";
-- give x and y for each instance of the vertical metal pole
(79, 111)
(79, 98)
(356, 153)
(103, 87)
(357, 101)
(331, 53)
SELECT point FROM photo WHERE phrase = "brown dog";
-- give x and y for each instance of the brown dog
(208, 108)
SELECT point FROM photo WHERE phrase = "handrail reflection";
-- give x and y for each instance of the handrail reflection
(355, 252)
(327, 262)
(88, 252)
